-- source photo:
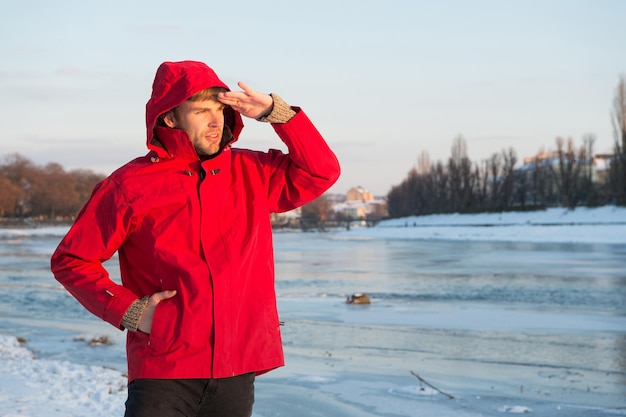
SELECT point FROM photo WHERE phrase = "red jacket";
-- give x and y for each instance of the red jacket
(208, 236)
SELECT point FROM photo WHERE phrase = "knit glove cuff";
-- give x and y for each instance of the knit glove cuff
(281, 112)
(132, 316)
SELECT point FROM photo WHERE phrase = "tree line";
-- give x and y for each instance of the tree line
(565, 177)
(44, 193)
(50, 193)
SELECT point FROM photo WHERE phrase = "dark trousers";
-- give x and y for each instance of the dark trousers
(225, 397)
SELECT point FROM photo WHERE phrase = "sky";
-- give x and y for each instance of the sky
(382, 81)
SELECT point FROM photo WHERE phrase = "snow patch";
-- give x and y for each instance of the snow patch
(515, 409)
(311, 379)
(412, 391)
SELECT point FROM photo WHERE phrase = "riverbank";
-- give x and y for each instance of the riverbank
(583, 225)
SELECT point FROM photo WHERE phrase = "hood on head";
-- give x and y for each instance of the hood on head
(174, 83)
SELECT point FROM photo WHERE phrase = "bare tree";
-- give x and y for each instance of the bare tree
(481, 173)
(22, 173)
(494, 166)
(618, 166)
(423, 163)
(585, 159)
(316, 213)
(10, 196)
(438, 186)
(461, 177)
(84, 180)
(53, 193)
(509, 158)
(567, 173)
(619, 115)
(459, 149)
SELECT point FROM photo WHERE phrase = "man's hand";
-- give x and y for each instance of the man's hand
(145, 322)
(248, 102)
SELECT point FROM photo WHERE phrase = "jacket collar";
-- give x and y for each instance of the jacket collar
(174, 143)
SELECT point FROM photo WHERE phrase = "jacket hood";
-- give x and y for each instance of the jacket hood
(174, 83)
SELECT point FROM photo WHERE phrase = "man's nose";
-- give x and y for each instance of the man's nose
(215, 121)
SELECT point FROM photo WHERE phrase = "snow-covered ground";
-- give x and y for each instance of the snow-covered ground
(583, 225)
(31, 386)
(34, 387)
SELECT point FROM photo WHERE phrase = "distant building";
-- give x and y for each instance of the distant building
(352, 209)
(602, 168)
(359, 194)
(356, 204)
(361, 204)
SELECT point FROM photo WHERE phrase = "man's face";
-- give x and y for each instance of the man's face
(203, 121)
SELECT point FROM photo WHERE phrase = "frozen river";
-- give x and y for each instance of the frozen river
(502, 326)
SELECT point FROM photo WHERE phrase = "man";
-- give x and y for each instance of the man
(190, 223)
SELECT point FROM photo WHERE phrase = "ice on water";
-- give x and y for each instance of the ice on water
(524, 316)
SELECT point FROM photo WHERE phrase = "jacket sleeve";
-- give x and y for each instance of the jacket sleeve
(307, 171)
(95, 236)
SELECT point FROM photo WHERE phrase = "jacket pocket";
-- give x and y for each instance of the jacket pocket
(161, 337)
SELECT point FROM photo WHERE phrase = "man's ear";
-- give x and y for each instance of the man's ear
(170, 119)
